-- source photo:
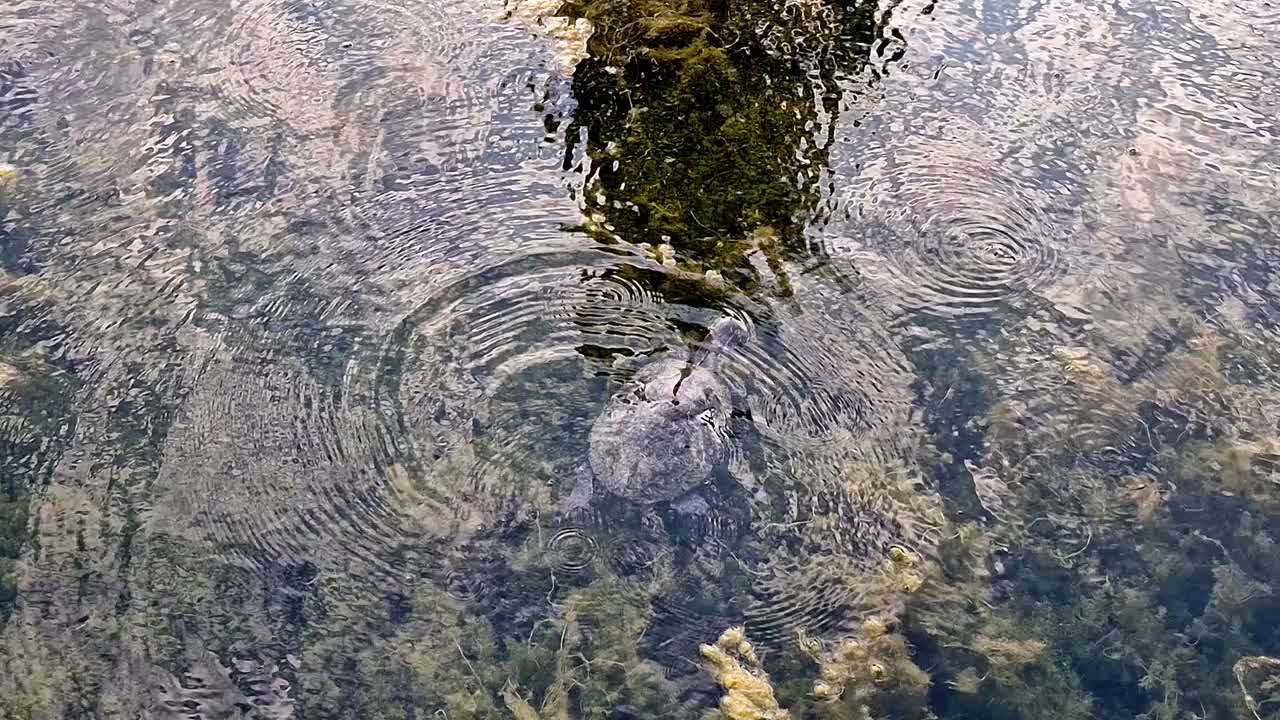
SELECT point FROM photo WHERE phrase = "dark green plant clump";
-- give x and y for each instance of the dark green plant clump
(705, 128)
(34, 399)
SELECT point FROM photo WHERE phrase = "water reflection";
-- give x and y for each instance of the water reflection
(708, 132)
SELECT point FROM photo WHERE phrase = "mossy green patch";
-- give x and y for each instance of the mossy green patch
(34, 405)
(705, 137)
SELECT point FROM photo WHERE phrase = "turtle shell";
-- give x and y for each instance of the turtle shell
(663, 434)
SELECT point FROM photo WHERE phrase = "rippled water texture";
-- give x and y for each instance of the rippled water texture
(307, 308)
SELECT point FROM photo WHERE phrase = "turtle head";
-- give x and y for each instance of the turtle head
(726, 334)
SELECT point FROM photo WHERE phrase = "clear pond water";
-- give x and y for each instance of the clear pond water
(308, 309)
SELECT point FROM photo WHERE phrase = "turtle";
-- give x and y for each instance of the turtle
(663, 433)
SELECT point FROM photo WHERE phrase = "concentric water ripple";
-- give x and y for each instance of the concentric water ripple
(274, 468)
(470, 414)
(951, 240)
(505, 369)
(384, 92)
(810, 382)
(326, 466)
(573, 550)
(513, 363)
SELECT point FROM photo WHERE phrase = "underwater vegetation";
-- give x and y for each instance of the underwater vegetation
(1259, 679)
(869, 673)
(733, 663)
(1107, 548)
(1129, 525)
(582, 660)
(729, 99)
(34, 403)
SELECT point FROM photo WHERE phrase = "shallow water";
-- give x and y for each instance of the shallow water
(307, 310)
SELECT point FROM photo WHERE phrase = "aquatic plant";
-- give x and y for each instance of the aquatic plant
(34, 401)
(579, 657)
(1259, 681)
(871, 515)
(871, 674)
(441, 659)
(554, 705)
(1005, 656)
(1127, 579)
(598, 663)
(690, 94)
(748, 695)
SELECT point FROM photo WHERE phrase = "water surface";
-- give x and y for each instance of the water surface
(307, 310)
